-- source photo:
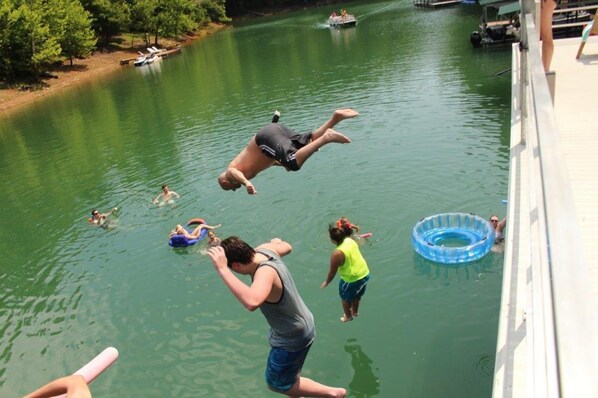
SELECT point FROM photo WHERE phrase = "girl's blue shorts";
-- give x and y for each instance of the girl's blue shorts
(350, 291)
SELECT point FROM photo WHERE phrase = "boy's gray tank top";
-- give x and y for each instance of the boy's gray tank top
(291, 323)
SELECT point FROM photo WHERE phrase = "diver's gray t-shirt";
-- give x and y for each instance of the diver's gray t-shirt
(291, 323)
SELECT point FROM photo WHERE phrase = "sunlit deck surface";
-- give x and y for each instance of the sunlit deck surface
(576, 112)
(542, 335)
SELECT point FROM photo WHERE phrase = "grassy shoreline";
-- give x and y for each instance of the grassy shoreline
(100, 64)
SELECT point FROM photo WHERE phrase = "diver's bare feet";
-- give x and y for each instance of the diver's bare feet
(345, 319)
(334, 136)
(342, 114)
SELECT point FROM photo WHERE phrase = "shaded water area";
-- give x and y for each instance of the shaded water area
(432, 137)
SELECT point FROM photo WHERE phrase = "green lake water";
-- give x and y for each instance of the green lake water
(432, 137)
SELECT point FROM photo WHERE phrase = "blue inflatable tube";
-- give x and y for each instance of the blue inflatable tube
(453, 238)
(182, 241)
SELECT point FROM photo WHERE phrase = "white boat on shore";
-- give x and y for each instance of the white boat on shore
(342, 21)
(146, 59)
(140, 60)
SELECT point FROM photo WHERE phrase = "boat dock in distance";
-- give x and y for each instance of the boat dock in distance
(435, 3)
(159, 53)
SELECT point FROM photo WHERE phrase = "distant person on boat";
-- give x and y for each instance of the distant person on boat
(347, 260)
(74, 386)
(333, 15)
(166, 196)
(98, 218)
(546, 13)
(180, 230)
(278, 145)
(273, 291)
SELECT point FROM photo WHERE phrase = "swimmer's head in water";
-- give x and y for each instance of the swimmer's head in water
(94, 213)
(226, 184)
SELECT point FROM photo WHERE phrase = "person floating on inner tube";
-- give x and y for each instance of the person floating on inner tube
(278, 145)
(180, 230)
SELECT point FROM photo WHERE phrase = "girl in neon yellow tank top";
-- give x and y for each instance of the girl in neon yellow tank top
(353, 270)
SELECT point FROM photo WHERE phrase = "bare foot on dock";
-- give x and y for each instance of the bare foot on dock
(334, 136)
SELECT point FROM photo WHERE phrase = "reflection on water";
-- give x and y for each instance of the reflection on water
(364, 383)
(151, 69)
(343, 36)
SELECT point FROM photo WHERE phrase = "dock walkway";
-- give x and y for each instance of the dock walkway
(548, 335)
(576, 112)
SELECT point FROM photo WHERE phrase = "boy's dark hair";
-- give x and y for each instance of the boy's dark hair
(237, 251)
(164, 186)
(338, 235)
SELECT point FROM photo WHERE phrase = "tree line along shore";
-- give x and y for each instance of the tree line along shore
(49, 45)
(101, 63)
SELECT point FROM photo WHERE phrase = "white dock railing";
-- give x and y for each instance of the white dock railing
(548, 326)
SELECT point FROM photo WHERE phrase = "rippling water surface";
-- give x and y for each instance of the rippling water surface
(432, 137)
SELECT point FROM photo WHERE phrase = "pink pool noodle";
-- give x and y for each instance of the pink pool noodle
(96, 366)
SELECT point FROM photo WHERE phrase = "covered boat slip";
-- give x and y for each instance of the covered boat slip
(435, 3)
(548, 328)
(567, 15)
(503, 6)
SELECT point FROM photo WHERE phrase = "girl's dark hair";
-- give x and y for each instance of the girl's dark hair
(237, 251)
(338, 235)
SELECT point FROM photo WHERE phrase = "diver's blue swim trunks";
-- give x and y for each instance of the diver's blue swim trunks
(283, 367)
(350, 291)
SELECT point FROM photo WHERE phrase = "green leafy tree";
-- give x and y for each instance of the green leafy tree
(110, 17)
(71, 24)
(34, 47)
(174, 18)
(167, 18)
(5, 42)
(215, 10)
